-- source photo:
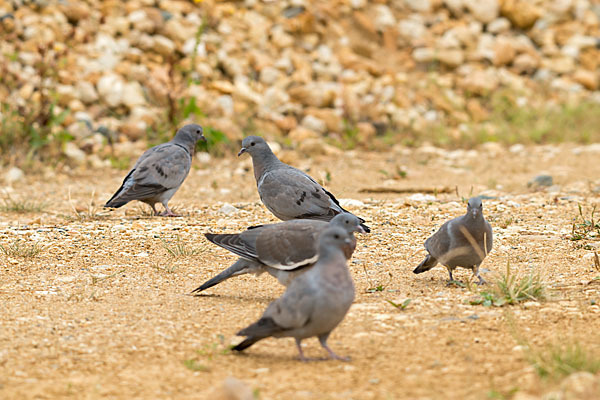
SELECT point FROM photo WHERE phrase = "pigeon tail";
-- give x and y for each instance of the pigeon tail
(115, 202)
(365, 227)
(240, 267)
(428, 263)
(249, 341)
(259, 330)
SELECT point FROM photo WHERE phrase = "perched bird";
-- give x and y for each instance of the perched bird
(314, 303)
(461, 242)
(286, 191)
(160, 171)
(284, 250)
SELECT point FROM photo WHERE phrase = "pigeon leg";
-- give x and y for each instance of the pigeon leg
(154, 212)
(476, 273)
(323, 341)
(300, 352)
(168, 212)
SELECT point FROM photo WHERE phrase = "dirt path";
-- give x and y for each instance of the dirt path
(103, 310)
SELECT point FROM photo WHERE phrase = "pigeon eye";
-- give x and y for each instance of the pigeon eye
(198, 131)
(337, 236)
(252, 144)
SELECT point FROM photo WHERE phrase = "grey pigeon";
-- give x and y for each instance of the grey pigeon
(284, 250)
(461, 242)
(314, 303)
(286, 191)
(160, 171)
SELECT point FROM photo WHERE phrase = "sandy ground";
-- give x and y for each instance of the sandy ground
(104, 312)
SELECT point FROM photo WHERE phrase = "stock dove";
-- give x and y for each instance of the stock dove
(286, 191)
(314, 303)
(461, 242)
(284, 250)
(160, 171)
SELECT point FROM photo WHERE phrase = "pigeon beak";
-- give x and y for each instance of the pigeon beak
(242, 151)
(347, 240)
(203, 138)
(360, 229)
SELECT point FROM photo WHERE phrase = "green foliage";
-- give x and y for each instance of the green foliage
(560, 360)
(22, 249)
(178, 248)
(33, 130)
(400, 306)
(194, 365)
(22, 205)
(511, 289)
(585, 227)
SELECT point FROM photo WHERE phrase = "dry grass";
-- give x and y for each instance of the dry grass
(22, 249)
(510, 289)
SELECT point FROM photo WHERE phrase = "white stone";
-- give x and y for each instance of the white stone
(423, 6)
(483, 10)
(411, 28)
(163, 45)
(314, 123)
(228, 209)
(86, 92)
(351, 203)
(14, 174)
(498, 25)
(423, 54)
(422, 197)
(133, 94)
(110, 88)
(269, 75)
(384, 18)
(74, 153)
(225, 103)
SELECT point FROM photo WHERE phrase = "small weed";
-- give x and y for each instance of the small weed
(98, 279)
(21, 248)
(400, 306)
(507, 221)
(585, 228)
(557, 361)
(502, 395)
(511, 289)
(169, 268)
(90, 212)
(179, 248)
(376, 287)
(195, 365)
(22, 206)
(121, 163)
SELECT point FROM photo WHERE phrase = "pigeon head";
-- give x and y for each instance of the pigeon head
(350, 223)
(190, 134)
(475, 207)
(254, 145)
(333, 237)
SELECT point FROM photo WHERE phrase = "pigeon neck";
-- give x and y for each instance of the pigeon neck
(185, 143)
(263, 162)
(329, 254)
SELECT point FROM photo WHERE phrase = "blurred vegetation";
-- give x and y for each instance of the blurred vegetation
(33, 131)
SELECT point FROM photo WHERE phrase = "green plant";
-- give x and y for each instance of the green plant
(91, 211)
(21, 248)
(512, 289)
(33, 129)
(379, 287)
(559, 360)
(585, 228)
(178, 248)
(22, 205)
(401, 306)
(195, 365)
